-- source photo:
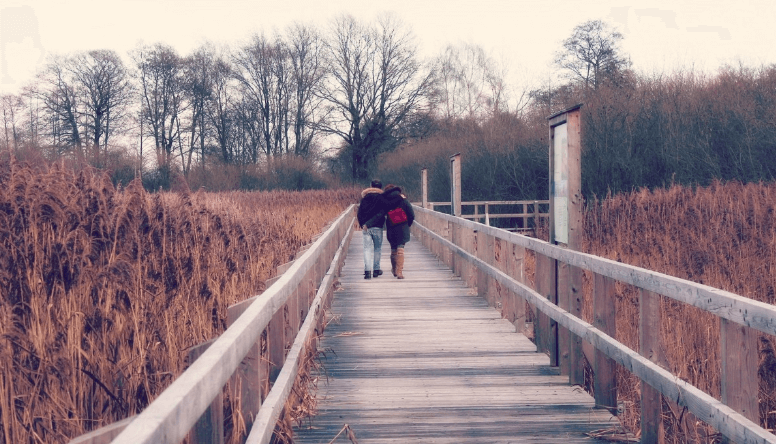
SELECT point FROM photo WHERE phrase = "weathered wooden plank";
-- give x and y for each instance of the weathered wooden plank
(209, 428)
(739, 369)
(649, 346)
(104, 435)
(726, 420)
(604, 319)
(249, 378)
(545, 329)
(431, 363)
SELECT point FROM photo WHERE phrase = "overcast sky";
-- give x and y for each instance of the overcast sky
(660, 36)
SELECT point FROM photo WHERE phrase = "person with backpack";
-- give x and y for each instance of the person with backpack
(399, 219)
(371, 219)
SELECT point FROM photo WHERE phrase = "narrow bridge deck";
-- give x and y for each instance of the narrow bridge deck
(426, 360)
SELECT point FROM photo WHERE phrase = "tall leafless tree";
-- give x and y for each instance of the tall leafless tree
(376, 81)
(197, 87)
(592, 54)
(263, 71)
(220, 111)
(11, 108)
(58, 91)
(159, 71)
(307, 76)
(104, 87)
(469, 83)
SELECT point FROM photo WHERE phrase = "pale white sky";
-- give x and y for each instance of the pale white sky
(660, 35)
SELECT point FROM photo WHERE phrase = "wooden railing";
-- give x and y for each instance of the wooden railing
(530, 212)
(287, 314)
(491, 260)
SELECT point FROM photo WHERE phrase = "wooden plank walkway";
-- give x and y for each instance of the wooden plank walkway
(425, 359)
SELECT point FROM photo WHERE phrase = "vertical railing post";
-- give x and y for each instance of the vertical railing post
(536, 218)
(424, 188)
(604, 319)
(209, 428)
(649, 347)
(247, 381)
(545, 329)
(469, 239)
(487, 215)
(514, 266)
(455, 184)
(739, 369)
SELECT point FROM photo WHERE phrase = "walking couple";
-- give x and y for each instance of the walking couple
(387, 208)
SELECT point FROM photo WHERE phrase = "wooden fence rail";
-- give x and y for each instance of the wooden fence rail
(530, 210)
(492, 260)
(286, 314)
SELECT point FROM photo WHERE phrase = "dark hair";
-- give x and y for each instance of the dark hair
(376, 183)
(392, 186)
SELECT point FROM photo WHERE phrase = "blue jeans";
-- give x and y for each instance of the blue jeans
(373, 243)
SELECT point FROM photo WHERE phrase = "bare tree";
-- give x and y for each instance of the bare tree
(57, 90)
(307, 75)
(376, 82)
(103, 85)
(469, 82)
(591, 54)
(220, 111)
(159, 71)
(263, 71)
(197, 85)
(11, 107)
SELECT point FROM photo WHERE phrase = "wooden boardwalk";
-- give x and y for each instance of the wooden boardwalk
(426, 360)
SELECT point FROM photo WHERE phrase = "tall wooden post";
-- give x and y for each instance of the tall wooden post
(649, 346)
(566, 227)
(424, 188)
(455, 184)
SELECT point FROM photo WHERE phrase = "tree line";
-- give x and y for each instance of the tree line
(223, 112)
(638, 130)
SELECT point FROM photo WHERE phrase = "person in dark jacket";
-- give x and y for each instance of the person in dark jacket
(399, 219)
(371, 219)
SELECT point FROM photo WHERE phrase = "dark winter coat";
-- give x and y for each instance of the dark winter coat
(398, 234)
(371, 210)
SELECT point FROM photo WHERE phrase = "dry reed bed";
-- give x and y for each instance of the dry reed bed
(723, 236)
(102, 291)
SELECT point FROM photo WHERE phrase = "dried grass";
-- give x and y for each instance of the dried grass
(102, 291)
(723, 236)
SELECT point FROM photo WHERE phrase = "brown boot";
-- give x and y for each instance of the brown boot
(399, 263)
(393, 262)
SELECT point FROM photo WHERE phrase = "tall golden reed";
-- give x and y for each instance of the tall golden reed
(723, 236)
(102, 291)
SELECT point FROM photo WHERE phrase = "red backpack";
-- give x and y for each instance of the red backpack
(397, 216)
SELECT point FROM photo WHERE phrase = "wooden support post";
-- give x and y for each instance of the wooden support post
(209, 428)
(570, 353)
(545, 329)
(649, 347)
(515, 265)
(246, 383)
(291, 320)
(469, 245)
(456, 239)
(536, 218)
(564, 336)
(739, 369)
(487, 215)
(455, 184)
(276, 343)
(604, 368)
(424, 188)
